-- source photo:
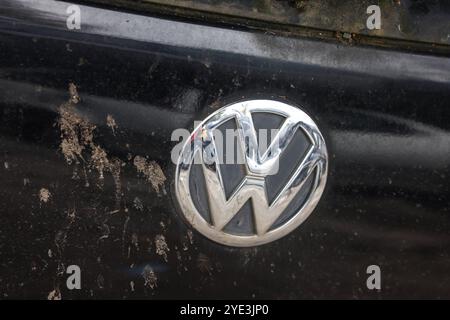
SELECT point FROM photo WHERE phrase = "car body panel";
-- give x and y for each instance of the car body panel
(110, 210)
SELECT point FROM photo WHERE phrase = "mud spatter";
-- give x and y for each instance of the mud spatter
(161, 246)
(152, 172)
(111, 123)
(54, 295)
(150, 279)
(78, 144)
(44, 195)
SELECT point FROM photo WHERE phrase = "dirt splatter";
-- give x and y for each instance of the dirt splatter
(99, 160)
(83, 152)
(151, 170)
(78, 145)
(115, 170)
(74, 97)
(137, 203)
(135, 240)
(76, 131)
(299, 4)
(100, 281)
(190, 235)
(161, 246)
(111, 123)
(54, 295)
(345, 37)
(82, 61)
(150, 279)
(204, 264)
(44, 195)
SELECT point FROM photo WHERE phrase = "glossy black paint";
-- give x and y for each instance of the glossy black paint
(385, 117)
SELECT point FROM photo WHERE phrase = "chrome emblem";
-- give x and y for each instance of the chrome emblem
(267, 195)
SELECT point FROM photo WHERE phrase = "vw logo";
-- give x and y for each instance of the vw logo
(266, 195)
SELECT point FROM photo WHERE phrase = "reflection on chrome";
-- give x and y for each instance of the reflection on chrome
(258, 165)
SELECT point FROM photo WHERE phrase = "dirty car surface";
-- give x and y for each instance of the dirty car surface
(86, 119)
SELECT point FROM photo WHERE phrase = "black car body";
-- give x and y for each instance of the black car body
(86, 122)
